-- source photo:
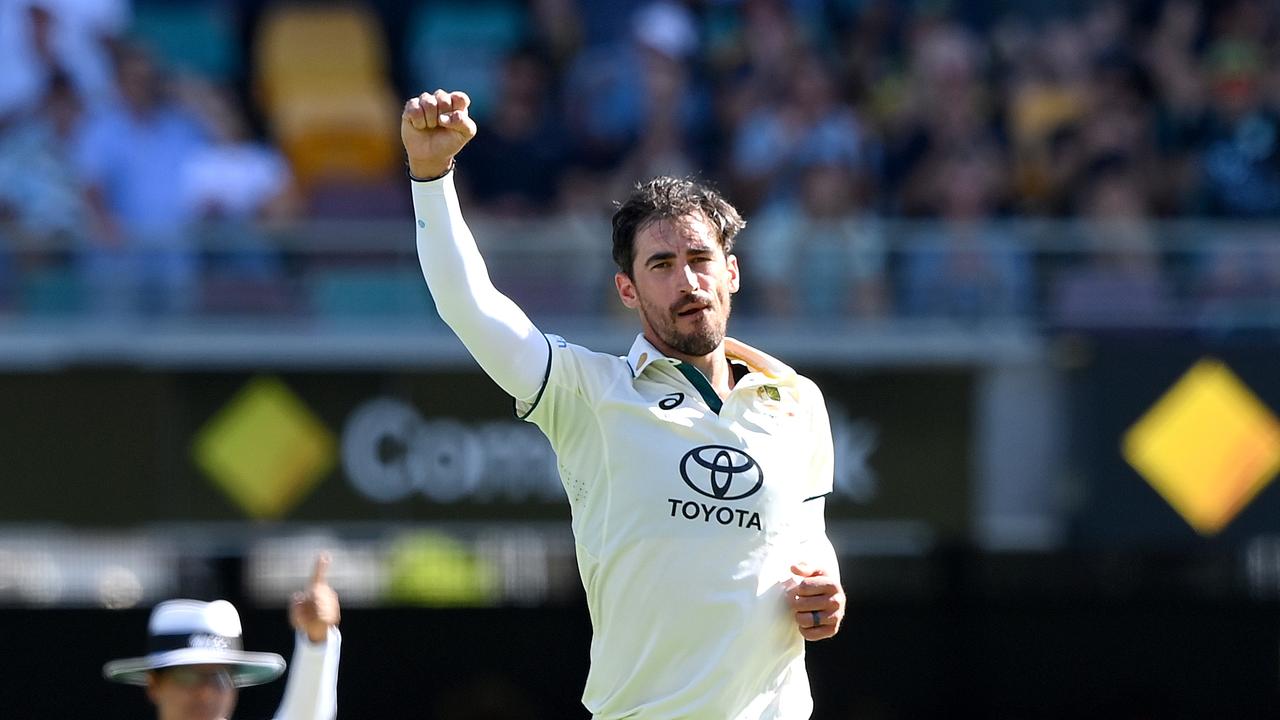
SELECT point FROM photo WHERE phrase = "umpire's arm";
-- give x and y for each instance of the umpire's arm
(312, 690)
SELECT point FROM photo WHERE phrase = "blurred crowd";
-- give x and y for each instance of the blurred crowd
(828, 122)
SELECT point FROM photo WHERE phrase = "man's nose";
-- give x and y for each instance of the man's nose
(690, 279)
(208, 693)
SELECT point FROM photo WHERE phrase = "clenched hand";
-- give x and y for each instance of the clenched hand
(433, 128)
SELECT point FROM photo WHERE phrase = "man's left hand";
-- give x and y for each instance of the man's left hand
(817, 601)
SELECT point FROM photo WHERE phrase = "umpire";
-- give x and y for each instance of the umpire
(196, 665)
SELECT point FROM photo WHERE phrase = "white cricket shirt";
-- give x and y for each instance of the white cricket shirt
(687, 517)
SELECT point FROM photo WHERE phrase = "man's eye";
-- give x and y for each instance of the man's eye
(660, 266)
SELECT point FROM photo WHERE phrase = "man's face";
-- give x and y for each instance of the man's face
(681, 283)
(138, 81)
(192, 692)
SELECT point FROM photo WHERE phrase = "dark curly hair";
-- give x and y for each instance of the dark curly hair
(665, 198)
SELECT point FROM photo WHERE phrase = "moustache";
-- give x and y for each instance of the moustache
(690, 301)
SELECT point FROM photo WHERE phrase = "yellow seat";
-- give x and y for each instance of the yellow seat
(317, 47)
(321, 75)
(348, 136)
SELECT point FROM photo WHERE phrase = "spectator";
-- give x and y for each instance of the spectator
(664, 145)
(830, 235)
(1241, 160)
(43, 38)
(607, 108)
(558, 31)
(26, 54)
(42, 208)
(807, 125)
(965, 267)
(881, 98)
(1180, 98)
(235, 187)
(40, 190)
(515, 167)
(752, 56)
(234, 175)
(1120, 281)
(1119, 120)
(131, 156)
(1047, 96)
(947, 113)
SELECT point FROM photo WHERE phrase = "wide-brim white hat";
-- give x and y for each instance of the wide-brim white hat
(190, 632)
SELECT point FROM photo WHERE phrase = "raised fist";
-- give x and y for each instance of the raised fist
(434, 127)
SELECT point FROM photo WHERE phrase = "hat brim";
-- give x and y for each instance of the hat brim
(247, 668)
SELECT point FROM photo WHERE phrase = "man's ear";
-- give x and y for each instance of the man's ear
(152, 681)
(626, 290)
(731, 265)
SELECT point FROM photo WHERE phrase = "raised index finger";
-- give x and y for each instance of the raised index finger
(321, 569)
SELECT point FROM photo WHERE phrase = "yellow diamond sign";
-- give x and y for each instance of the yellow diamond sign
(265, 449)
(1208, 446)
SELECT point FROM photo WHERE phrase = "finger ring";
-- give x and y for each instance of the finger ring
(817, 619)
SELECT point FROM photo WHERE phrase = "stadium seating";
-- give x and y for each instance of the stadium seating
(197, 37)
(333, 113)
(462, 46)
(51, 292)
(365, 294)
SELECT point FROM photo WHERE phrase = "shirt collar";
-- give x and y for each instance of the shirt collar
(757, 360)
(644, 354)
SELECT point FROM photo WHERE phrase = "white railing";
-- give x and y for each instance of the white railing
(868, 288)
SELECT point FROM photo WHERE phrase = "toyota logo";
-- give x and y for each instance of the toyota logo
(721, 472)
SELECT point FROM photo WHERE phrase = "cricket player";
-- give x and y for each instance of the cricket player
(196, 665)
(696, 467)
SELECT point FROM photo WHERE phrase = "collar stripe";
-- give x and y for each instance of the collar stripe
(700, 384)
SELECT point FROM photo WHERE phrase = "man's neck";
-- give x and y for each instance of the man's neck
(714, 366)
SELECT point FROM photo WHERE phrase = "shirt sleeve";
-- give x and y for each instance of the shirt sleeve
(312, 690)
(565, 409)
(819, 478)
(815, 546)
(494, 329)
(93, 150)
(571, 371)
